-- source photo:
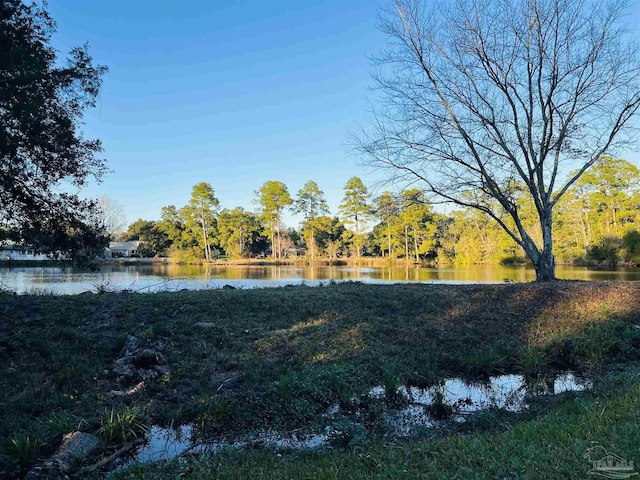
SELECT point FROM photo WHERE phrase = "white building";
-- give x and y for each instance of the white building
(123, 249)
(20, 252)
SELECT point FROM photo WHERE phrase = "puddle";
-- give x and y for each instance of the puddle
(509, 393)
(165, 443)
(168, 443)
(506, 392)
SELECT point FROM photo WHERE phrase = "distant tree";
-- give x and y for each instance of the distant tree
(573, 232)
(417, 220)
(613, 189)
(471, 237)
(386, 207)
(135, 231)
(173, 225)
(482, 97)
(238, 231)
(590, 224)
(355, 209)
(294, 236)
(155, 240)
(42, 102)
(310, 203)
(329, 235)
(631, 241)
(273, 198)
(112, 216)
(606, 251)
(201, 212)
(82, 239)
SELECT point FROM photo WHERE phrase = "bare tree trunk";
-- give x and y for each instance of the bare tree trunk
(278, 240)
(415, 245)
(584, 232)
(589, 234)
(203, 220)
(406, 244)
(357, 239)
(545, 264)
(389, 238)
(273, 242)
(482, 236)
(205, 241)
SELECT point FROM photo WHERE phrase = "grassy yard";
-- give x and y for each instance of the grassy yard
(246, 360)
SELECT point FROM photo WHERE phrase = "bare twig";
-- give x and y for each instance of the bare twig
(126, 448)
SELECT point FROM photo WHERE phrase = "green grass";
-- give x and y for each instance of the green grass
(120, 427)
(23, 449)
(277, 358)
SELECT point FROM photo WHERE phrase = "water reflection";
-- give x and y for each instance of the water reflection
(169, 443)
(159, 277)
(459, 398)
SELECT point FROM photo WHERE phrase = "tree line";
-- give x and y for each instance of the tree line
(597, 222)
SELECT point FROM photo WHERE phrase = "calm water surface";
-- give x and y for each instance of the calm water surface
(145, 278)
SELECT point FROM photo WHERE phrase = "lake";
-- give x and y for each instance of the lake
(161, 277)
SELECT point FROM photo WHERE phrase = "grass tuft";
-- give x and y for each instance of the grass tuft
(120, 427)
(23, 449)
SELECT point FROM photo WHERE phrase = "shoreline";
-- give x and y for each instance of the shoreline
(373, 262)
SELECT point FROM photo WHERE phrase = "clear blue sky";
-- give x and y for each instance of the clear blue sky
(233, 93)
(230, 92)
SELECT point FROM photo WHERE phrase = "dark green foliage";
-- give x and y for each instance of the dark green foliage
(631, 241)
(60, 424)
(608, 251)
(155, 240)
(41, 107)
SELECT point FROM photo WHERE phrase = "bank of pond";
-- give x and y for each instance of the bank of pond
(299, 382)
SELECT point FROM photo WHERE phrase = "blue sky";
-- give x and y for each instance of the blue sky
(233, 93)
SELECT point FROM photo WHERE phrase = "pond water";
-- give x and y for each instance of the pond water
(162, 277)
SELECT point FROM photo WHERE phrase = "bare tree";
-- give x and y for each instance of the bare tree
(489, 102)
(112, 216)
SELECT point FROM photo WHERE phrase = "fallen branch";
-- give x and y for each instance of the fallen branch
(105, 461)
(227, 381)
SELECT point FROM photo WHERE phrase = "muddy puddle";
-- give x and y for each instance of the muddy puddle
(454, 399)
(451, 400)
(167, 443)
